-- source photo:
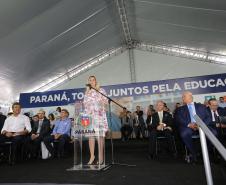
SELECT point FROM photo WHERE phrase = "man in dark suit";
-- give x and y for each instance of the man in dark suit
(139, 124)
(186, 122)
(215, 113)
(161, 126)
(2, 120)
(40, 129)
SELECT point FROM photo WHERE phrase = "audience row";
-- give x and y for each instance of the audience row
(160, 122)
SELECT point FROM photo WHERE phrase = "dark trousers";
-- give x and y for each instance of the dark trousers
(33, 146)
(61, 143)
(17, 141)
(139, 130)
(186, 136)
(126, 131)
(221, 132)
(153, 137)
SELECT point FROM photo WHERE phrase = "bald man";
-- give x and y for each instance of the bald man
(162, 124)
(186, 122)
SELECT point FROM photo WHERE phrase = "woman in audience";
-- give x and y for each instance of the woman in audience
(51, 120)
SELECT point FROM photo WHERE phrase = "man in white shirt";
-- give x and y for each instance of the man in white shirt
(15, 128)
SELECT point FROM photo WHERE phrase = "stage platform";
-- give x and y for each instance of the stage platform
(165, 170)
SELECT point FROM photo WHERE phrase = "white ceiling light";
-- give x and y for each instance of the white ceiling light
(183, 51)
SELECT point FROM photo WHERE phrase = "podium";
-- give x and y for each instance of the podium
(83, 129)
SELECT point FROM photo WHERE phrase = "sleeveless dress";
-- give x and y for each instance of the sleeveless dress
(94, 105)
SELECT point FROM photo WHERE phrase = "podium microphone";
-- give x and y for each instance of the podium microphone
(88, 85)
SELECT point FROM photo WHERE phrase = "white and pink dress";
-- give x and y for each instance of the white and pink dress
(94, 105)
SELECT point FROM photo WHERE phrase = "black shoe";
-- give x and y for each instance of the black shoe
(53, 156)
(12, 163)
(60, 156)
(151, 156)
(191, 159)
(174, 155)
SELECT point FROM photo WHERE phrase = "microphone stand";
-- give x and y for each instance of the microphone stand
(220, 124)
(113, 163)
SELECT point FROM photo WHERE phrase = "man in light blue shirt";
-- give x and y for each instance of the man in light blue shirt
(186, 122)
(61, 134)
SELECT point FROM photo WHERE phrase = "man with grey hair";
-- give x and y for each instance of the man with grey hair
(186, 122)
(161, 126)
(40, 130)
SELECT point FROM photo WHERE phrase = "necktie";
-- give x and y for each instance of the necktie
(160, 117)
(39, 126)
(215, 117)
(191, 113)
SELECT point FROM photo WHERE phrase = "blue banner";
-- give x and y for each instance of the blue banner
(197, 85)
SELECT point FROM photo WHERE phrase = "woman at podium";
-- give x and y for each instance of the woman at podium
(94, 105)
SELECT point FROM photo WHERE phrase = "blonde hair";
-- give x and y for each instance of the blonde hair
(97, 86)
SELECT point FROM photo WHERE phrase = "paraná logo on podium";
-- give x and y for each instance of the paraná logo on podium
(85, 121)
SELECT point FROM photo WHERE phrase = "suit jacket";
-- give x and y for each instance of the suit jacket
(45, 128)
(220, 111)
(167, 119)
(2, 121)
(183, 116)
(140, 117)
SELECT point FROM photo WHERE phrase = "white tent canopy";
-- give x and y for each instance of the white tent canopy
(41, 40)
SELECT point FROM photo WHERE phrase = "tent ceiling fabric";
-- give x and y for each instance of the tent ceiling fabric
(195, 23)
(57, 36)
(42, 39)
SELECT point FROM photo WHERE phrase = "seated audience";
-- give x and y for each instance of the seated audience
(178, 140)
(57, 113)
(2, 120)
(166, 109)
(222, 103)
(15, 128)
(33, 120)
(161, 126)
(206, 103)
(51, 120)
(40, 130)
(151, 108)
(177, 105)
(61, 133)
(138, 123)
(186, 121)
(215, 113)
(126, 124)
(149, 118)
